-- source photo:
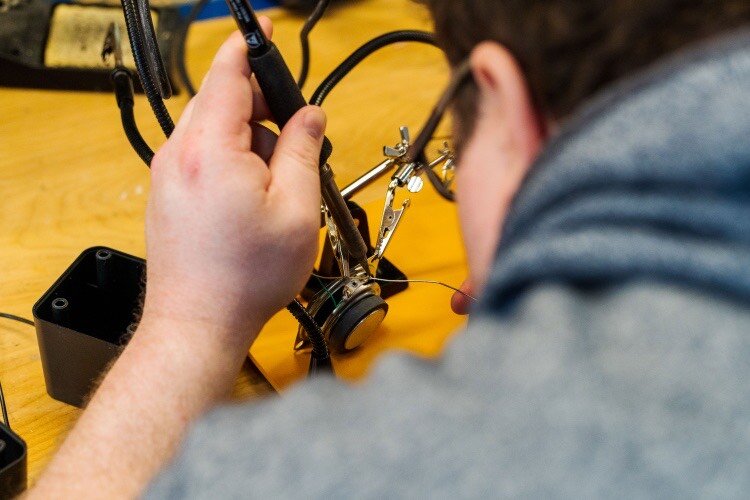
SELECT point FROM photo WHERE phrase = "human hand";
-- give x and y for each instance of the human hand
(461, 302)
(233, 217)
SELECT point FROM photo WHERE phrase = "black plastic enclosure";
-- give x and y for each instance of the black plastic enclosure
(12, 463)
(85, 319)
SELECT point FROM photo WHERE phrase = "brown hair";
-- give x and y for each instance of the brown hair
(570, 49)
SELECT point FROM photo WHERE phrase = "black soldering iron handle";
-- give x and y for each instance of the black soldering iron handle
(280, 90)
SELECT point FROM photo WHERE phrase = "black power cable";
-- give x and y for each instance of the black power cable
(304, 38)
(152, 54)
(180, 55)
(122, 80)
(19, 319)
(362, 53)
(4, 410)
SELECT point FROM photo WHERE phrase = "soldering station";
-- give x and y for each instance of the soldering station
(86, 317)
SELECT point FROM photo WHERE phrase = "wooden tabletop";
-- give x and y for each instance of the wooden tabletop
(69, 181)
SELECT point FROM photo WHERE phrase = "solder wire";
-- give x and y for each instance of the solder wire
(427, 282)
(327, 290)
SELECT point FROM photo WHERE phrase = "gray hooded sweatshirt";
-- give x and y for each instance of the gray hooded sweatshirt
(610, 353)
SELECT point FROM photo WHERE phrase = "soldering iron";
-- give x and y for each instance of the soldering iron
(284, 99)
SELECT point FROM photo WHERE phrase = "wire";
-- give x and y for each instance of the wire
(328, 292)
(4, 408)
(134, 135)
(181, 47)
(362, 53)
(428, 282)
(13, 317)
(304, 38)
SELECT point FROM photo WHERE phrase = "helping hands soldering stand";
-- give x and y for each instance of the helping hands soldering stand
(364, 309)
(361, 308)
(328, 305)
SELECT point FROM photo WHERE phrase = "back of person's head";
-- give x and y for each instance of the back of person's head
(570, 49)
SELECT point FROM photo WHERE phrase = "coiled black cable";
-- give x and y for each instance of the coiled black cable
(314, 333)
(359, 55)
(134, 14)
(304, 38)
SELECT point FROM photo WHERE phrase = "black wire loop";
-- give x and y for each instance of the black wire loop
(366, 50)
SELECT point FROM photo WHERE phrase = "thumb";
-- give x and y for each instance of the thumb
(295, 161)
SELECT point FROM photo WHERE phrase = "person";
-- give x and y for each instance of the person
(604, 192)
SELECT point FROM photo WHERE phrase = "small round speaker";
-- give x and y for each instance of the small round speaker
(349, 316)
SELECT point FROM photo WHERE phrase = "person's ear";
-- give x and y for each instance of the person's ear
(505, 102)
(506, 139)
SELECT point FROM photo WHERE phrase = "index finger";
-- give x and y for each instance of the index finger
(229, 98)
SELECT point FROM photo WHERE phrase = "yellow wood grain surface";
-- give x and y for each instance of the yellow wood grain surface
(69, 181)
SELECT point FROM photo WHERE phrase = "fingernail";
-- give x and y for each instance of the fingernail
(315, 122)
